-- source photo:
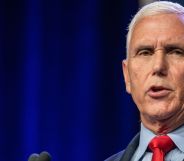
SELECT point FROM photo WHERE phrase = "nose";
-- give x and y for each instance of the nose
(160, 65)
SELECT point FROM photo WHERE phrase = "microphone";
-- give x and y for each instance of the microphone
(43, 156)
(33, 157)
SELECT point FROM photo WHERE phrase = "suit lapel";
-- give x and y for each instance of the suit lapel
(131, 148)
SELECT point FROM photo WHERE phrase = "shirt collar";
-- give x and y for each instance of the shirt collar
(178, 137)
(146, 136)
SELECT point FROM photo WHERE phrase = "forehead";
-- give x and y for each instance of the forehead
(158, 29)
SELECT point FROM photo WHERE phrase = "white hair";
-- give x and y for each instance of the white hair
(158, 7)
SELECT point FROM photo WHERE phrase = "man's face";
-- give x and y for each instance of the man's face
(154, 70)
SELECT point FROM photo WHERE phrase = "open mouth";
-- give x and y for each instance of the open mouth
(158, 91)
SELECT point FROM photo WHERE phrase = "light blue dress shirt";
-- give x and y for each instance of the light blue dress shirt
(146, 136)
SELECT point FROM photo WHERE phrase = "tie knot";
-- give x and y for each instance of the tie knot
(164, 143)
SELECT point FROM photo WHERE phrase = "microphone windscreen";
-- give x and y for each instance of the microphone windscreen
(33, 157)
(44, 156)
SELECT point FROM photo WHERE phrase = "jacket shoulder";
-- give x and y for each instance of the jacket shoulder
(128, 152)
(115, 157)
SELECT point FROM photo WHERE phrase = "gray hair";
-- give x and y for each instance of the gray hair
(158, 7)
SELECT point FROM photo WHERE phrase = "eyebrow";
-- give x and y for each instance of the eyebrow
(170, 47)
(144, 47)
(166, 47)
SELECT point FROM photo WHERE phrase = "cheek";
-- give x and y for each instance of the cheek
(180, 86)
(177, 75)
(140, 67)
(176, 79)
(137, 75)
(136, 85)
(134, 81)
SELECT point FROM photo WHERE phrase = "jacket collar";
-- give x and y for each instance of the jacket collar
(131, 148)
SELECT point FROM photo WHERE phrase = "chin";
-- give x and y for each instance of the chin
(161, 115)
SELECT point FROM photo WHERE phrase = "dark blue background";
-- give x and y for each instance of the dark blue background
(62, 88)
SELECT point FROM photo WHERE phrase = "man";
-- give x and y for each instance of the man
(154, 76)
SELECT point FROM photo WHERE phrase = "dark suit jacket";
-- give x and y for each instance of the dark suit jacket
(126, 154)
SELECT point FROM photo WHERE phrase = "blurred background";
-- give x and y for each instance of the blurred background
(62, 88)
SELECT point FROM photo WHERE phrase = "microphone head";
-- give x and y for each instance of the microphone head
(44, 156)
(33, 157)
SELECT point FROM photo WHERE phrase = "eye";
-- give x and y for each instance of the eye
(177, 52)
(145, 52)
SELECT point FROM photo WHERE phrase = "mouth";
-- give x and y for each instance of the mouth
(157, 92)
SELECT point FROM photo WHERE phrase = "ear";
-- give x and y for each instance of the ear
(126, 75)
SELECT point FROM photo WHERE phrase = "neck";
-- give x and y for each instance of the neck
(160, 127)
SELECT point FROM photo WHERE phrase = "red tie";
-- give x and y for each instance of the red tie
(160, 145)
